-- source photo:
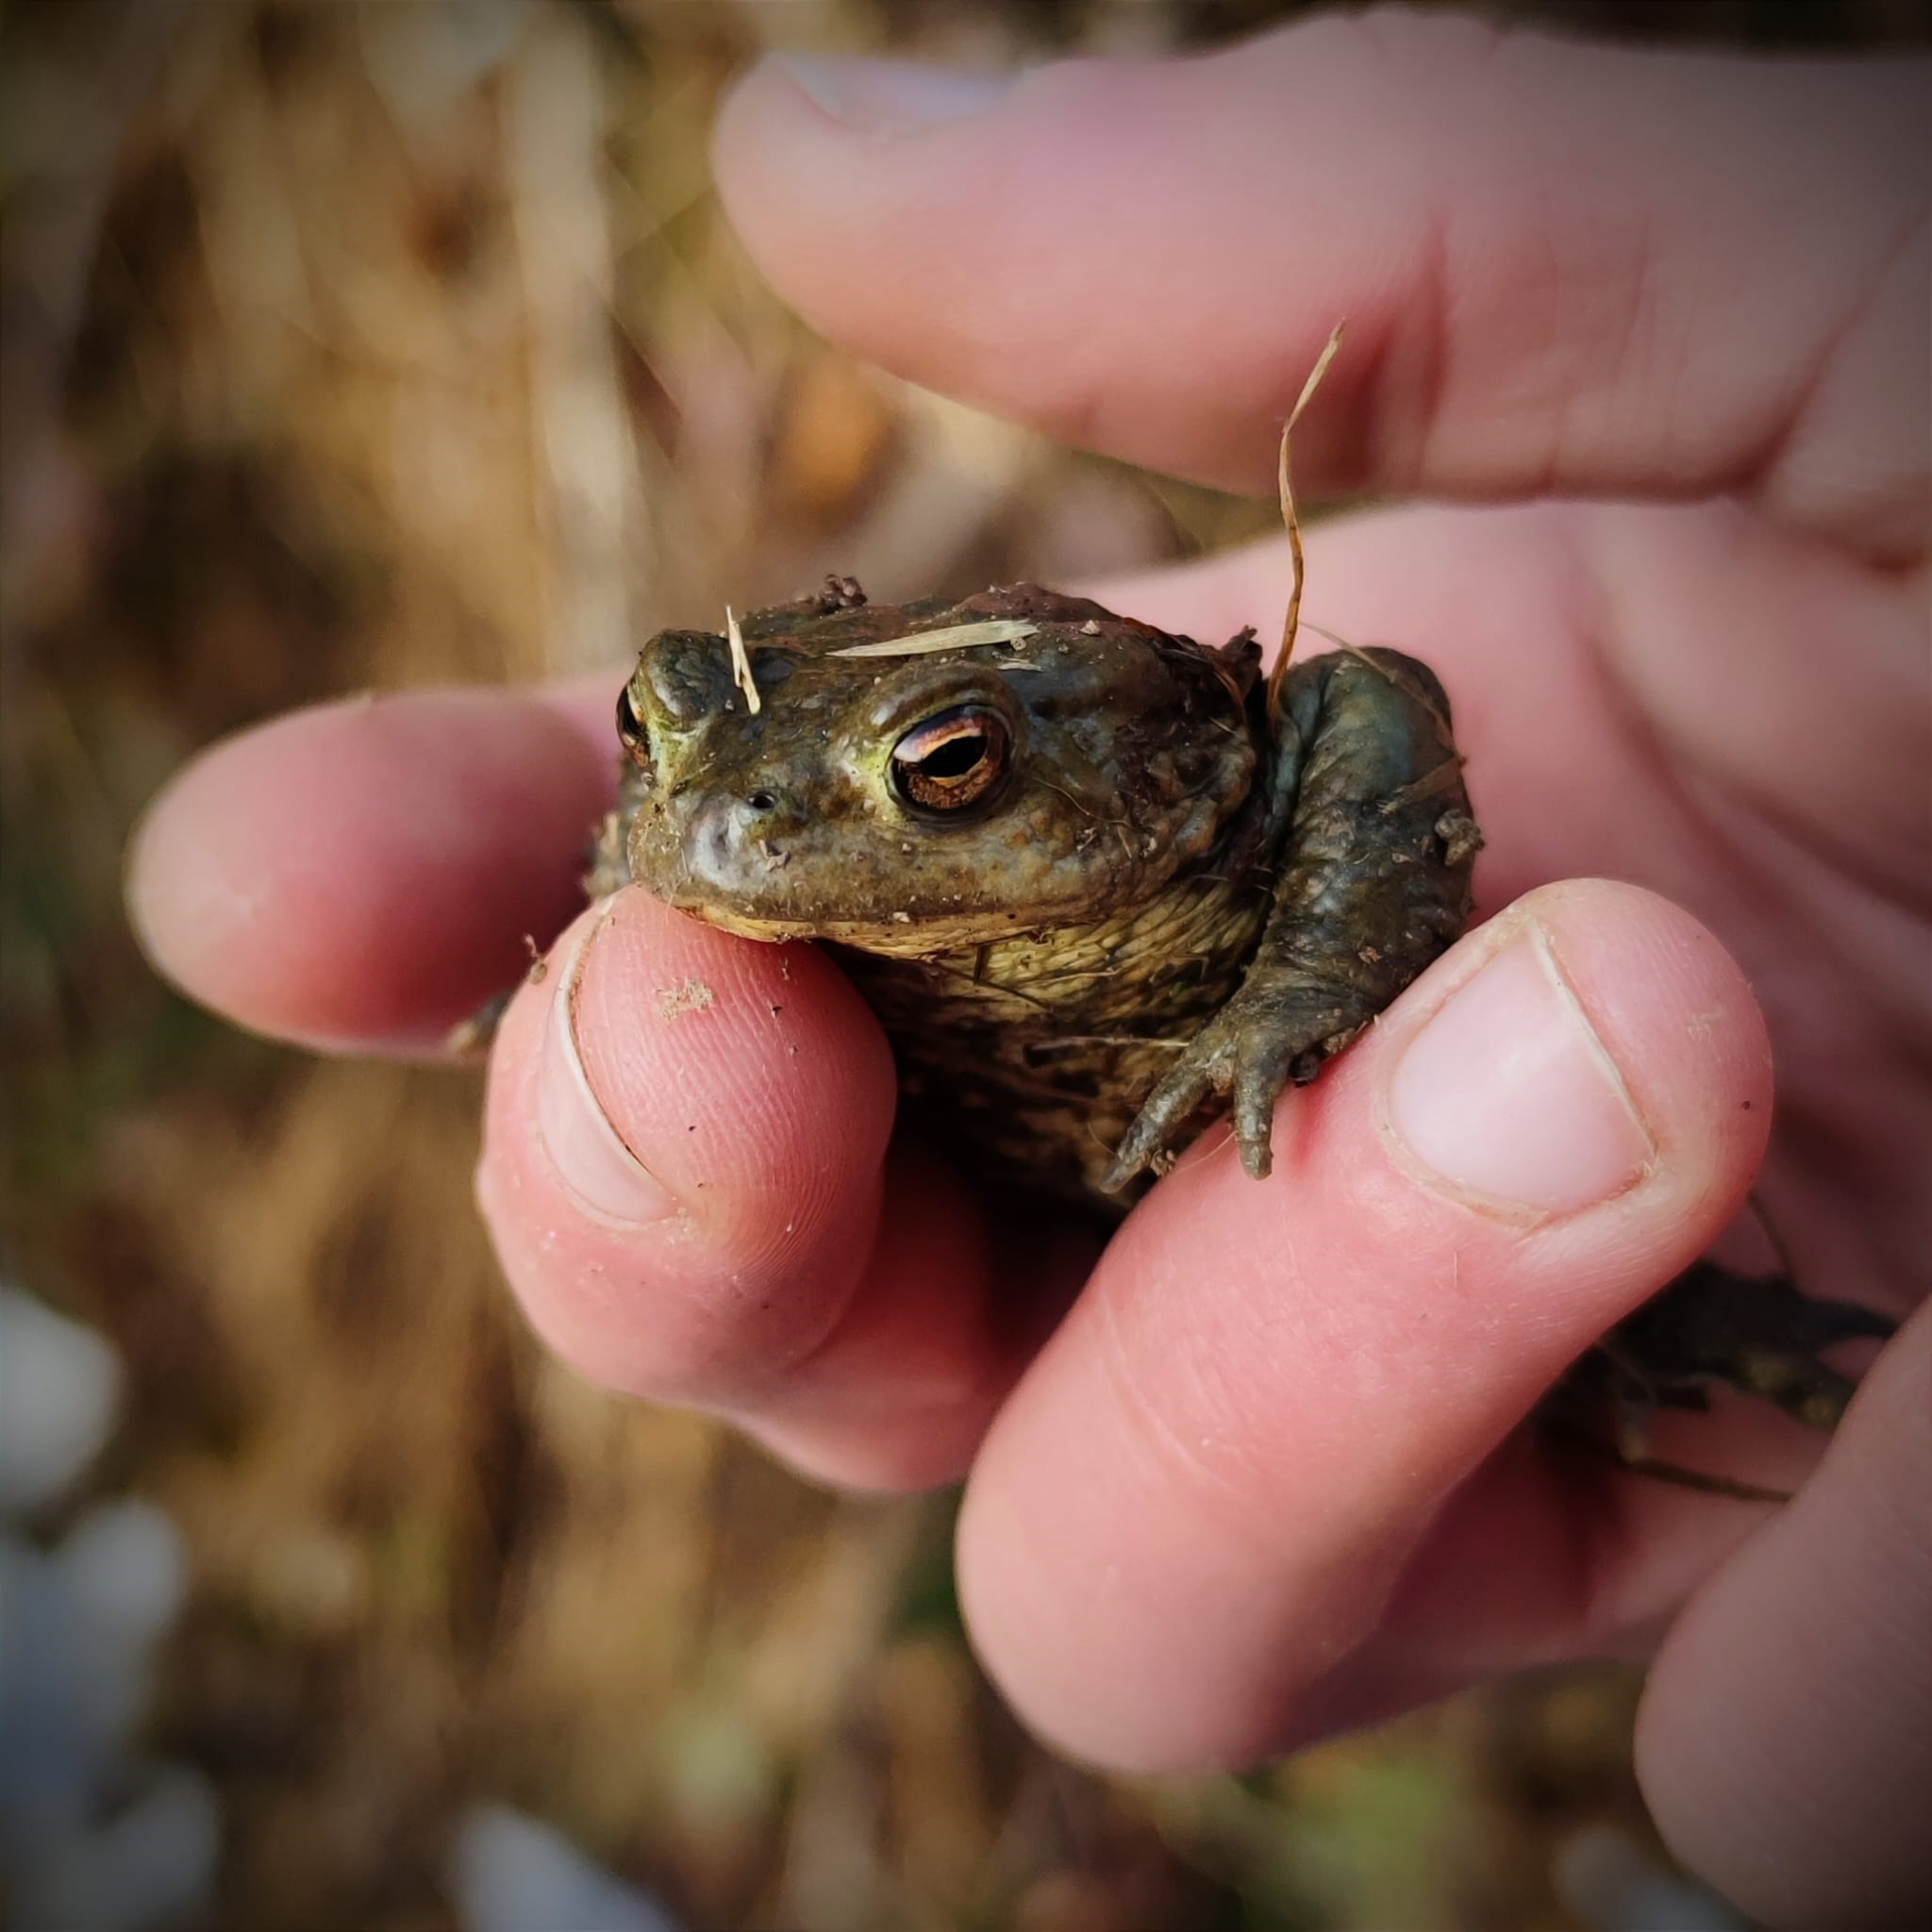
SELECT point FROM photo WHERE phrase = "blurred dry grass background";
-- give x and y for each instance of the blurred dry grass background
(353, 345)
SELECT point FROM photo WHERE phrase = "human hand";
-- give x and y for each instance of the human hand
(1662, 317)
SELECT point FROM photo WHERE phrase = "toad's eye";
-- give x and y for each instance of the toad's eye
(952, 760)
(630, 729)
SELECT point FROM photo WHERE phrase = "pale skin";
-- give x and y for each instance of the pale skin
(1645, 340)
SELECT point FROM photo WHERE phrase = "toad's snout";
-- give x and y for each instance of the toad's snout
(735, 840)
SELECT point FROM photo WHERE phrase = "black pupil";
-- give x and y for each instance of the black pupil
(956, 757)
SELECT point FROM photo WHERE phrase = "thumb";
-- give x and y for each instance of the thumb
(1196, 1508)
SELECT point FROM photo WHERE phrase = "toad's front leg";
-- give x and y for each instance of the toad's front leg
(1372, 884)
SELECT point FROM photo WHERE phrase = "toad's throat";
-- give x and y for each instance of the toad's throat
(1041, 1045)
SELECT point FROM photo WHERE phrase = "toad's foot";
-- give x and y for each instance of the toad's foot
(1712, 1328)
(1709, 1328)
(1371, 884)
(1277, 1031)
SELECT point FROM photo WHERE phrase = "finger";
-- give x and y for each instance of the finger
(363, 875)
(1199, 1504)
(685, 1174)
(1564, 268)
(1784, 1742)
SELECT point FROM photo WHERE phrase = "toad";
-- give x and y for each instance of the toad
(1100, 883)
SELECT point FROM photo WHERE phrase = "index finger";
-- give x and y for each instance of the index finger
(1565, 268)
(362, 875)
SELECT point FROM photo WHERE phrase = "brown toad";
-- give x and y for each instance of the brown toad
(1098, 882)
(1085, 881)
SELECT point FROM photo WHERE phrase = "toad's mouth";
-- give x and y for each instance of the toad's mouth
(904, 935)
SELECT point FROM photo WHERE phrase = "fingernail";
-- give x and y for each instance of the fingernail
(891, 96)
(1508, 1093)
(589, 1155)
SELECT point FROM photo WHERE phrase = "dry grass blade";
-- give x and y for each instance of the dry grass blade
(1285, 483)
(740, 663)
(955, 636)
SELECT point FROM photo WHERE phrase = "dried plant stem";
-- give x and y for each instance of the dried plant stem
(740, 663)
(955, 636)
(1284, 484)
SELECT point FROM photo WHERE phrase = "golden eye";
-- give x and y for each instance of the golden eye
(630, 729)
(952, 760)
